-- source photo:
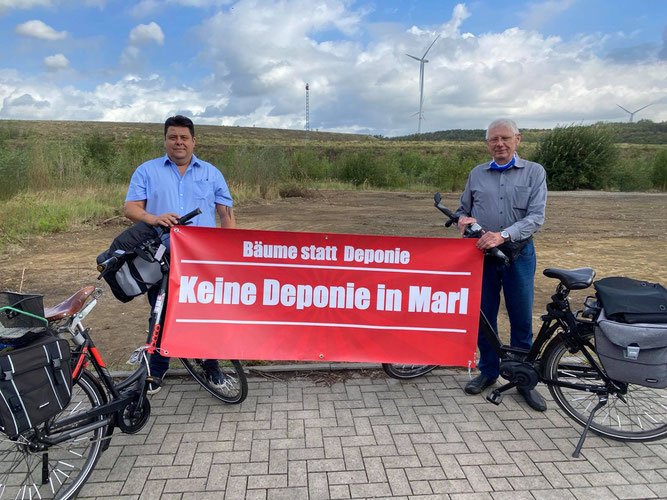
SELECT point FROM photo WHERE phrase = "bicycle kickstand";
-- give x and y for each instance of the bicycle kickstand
(601, 403)
(496, 396)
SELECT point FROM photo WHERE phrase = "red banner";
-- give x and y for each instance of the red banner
(274, 295)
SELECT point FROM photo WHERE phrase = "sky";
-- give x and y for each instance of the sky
(543, 63)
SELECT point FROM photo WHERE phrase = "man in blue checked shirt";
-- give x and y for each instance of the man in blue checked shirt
(163, 189)
(507, 197)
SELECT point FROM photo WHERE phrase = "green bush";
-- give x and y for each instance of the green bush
(629, 175)
(367, 168)
(576, 157)
(659, 171)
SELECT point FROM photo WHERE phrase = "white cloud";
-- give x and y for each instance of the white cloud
(56, 62)
(22, 4)
(539, 13)
(143, 34)
(145, 8)
(260, 54)
(38, 29)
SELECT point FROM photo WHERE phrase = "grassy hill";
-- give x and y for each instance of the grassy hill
(57, 175)
(641, 132)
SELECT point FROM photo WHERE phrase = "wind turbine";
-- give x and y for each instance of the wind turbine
(632, 113)
(422, 61)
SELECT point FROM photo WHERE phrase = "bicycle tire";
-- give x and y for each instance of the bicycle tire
(637, 414)
(406, 371)
(69, 463)
(235, 387)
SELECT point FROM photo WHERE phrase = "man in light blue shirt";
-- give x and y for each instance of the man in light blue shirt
(166, 188)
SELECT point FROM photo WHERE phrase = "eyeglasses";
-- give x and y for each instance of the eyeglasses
(498, 140)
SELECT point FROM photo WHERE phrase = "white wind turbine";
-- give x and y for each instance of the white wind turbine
(422, 61)
(632, 113)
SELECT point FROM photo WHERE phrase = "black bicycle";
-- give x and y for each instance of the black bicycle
(232, 387)
(55, 458)
(563, 356)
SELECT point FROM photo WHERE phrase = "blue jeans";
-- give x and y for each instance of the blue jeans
(158, 363)
(517, 283)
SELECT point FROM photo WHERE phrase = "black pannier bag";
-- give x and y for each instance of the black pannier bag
(35, 384)
(635, 353)
(35, 369)
(135, 273)
(632, 301)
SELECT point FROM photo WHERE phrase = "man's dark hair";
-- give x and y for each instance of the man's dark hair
(179, 121)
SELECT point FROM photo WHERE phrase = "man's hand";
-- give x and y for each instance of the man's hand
(490, 240)
(464, 221)
(167, 219)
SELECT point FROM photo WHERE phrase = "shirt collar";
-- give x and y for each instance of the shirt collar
(515, 164)
(193, 163)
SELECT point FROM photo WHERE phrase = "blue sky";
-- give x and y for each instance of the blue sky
(245, 62)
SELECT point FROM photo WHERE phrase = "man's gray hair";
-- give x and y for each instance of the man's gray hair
(503, 122)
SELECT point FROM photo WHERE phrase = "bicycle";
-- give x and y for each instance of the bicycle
(563, 356)
(233, 389)
(54, 459)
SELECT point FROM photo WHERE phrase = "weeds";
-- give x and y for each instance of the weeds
(59, 175)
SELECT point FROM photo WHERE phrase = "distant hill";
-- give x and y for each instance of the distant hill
(211, 134)
(641, 132)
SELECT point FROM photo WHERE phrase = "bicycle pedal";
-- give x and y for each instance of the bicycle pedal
(495, 397)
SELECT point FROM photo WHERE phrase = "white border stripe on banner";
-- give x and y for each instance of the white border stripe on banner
(346, 268)
(339, 325)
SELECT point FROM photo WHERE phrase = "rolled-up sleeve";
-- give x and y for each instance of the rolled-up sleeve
(138, 189)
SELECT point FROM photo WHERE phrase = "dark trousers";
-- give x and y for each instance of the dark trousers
(517, 284)
(158, 363)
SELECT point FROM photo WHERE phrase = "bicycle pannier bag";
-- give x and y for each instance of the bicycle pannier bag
(134, 275)
(632, 301)
(634, 353)
(35, 384)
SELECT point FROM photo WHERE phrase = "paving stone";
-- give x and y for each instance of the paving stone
(367, 437)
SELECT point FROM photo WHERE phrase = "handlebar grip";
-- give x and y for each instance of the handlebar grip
(498, 254)
(104, 266)
(182, 221)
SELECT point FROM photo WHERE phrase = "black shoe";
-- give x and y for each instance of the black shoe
(214, 375)
(478, 384)
(154, 387)
(533, 398)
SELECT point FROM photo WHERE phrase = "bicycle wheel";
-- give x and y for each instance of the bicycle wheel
(232, 389)
(26, 471)
(404, 372)
(636, 414)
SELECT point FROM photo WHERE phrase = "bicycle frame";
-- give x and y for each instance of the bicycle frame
(116, 396)
(559, 316)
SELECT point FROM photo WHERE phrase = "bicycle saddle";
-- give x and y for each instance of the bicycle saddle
(576, 279)
(70, 306)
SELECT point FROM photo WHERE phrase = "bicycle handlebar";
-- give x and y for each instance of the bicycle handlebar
(472, 230)
(112, 261)
(185, 220)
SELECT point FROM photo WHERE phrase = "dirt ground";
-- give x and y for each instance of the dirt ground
(614, 233)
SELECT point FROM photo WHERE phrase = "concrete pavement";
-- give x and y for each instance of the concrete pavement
(358, 434)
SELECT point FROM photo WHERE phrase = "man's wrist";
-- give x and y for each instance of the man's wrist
(505, 236)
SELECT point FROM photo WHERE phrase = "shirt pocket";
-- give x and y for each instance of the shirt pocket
(521, 197)
(204, 194)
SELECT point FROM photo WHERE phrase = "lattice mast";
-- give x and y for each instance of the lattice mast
(307, 108)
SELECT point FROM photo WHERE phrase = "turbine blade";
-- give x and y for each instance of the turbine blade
(623, 109)
(415, 58)
(429, 47)
(642, 108)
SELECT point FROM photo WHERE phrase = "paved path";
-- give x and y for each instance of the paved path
(359, 434)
